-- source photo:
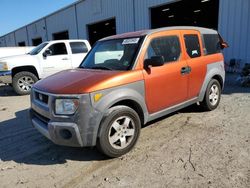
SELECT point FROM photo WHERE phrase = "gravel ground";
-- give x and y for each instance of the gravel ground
(188, 148)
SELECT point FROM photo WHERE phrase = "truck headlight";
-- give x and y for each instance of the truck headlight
(66, 106)
(3, 66)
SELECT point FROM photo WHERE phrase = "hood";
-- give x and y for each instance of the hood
(14, 57)
(80, 81)
(18, 59)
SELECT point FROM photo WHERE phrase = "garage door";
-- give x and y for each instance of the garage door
(203, 13)
(101, 29)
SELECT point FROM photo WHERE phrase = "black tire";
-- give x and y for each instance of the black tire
(116, 114)
(23, 81)
(209, 104)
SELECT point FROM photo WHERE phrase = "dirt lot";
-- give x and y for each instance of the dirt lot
(185, 149)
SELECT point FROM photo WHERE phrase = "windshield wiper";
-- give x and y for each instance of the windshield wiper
(102, 68)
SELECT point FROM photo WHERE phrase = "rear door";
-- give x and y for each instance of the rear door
(195, 60)
(165, 85)
(79, 51)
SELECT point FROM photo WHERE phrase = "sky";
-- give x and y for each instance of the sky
(17, 13)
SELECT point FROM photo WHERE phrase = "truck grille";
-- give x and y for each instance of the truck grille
(41, 97)
(41, 118)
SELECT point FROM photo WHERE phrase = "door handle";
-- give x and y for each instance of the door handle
(65, 58)
(185, 70)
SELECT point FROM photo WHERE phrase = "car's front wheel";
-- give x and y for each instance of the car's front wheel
(119, 131)
(23, 81)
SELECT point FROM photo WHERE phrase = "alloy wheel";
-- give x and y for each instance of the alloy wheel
(121, 132)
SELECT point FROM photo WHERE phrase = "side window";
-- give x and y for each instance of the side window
(58, 49)
(192, 45)
(211, 44)
(78, 47)
(168, 47)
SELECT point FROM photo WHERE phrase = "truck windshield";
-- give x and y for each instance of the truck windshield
(38, 49)
(117, 54)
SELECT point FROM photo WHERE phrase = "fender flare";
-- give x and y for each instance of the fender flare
(212, 71)
(119, 95)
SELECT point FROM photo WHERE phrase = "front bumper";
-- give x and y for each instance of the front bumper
(5, 77)
(78, 130)
(61, 133)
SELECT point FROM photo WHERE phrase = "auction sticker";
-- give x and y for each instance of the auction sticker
(131, 41)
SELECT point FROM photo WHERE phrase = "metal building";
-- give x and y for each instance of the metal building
(94, 19)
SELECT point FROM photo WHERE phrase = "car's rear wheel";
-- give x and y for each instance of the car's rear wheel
(119, 131)
(23, 81)
(212, 95)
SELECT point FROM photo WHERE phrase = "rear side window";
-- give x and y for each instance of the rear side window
(168, 47)
(58, 49)
(192, 45)
(78, 47)
(212, 44)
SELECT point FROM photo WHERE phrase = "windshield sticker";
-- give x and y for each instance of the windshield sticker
(131, 41)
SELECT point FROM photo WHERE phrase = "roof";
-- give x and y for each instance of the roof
(151, 31)
(68, 40)
(127, 35)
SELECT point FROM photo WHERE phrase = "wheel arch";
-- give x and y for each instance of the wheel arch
(133, 105)
(214, 71)
(129, 102)
(132, 96)
(219, 79)
(29, 68)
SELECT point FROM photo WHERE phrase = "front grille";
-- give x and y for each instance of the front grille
(41, 97)
(41, 118)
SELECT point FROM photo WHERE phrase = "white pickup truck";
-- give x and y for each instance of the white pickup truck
(22, 71)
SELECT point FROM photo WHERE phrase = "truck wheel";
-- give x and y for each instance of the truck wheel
(119, 131)
(212, 95)
(23, 81)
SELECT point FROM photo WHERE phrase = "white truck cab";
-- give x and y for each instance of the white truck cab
(22, 71)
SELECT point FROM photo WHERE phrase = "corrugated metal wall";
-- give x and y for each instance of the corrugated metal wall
(234, 22)
(234, 26)
(37, 30)
(21, 36)
(64, 20)
(2, 42)
(93, 11)
(10, 39)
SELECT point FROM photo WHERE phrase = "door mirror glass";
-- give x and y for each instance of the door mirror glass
(154, 61)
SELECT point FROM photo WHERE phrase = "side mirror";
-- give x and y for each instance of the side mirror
(154, 61)
(224, 45)
(47, 52)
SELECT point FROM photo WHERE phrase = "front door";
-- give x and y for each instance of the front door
(56, 60)
(165, 85)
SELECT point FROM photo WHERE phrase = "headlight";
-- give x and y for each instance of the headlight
(3, 66)
(66, 106)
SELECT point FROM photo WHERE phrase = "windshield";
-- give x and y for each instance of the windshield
(118, 54)
(38, 49)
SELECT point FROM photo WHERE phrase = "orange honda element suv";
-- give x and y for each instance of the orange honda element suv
(126, 81)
